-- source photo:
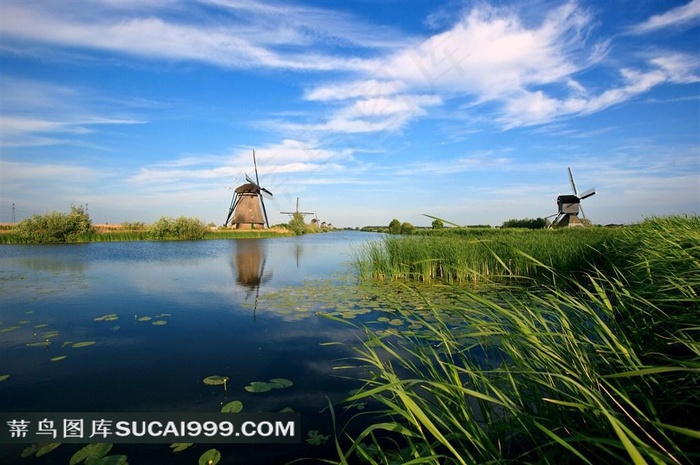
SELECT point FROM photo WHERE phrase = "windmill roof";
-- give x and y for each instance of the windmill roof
(248, 188)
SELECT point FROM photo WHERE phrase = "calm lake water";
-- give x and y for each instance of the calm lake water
(213, 299)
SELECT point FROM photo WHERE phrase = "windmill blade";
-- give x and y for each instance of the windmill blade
(255, 164)
(262, 202)
(266, 191)
(583, 215)
(587, 194)
(573, 184)
(247, 178)
(231, 208)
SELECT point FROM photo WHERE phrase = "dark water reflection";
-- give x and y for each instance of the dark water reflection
(208, 292)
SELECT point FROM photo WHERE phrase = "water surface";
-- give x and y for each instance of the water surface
(210, 296)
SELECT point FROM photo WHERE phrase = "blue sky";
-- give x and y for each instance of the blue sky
(366, 110)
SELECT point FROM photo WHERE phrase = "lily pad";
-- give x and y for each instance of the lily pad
(180, 446)
(60, 357)
(215, 380)
(108, 317)
(46, 448)
(159, 323)
(90, 453)
(234, 406)
(145, 318)
(280, 383)
(82, 344)
(43, 325)
(210, 457)
(316, 439)
(258, 386)
(111, 460)
(9, 328)
(395, 322)
(4, 377)
(49, 334)
(39, 343)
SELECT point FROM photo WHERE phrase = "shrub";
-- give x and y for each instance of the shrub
(395, 226)
(181, 228)
(56, 227)
(297, 224)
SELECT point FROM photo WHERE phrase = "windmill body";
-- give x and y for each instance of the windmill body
(247, 210)
(569, 206)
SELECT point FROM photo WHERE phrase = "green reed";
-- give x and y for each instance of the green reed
(473, 256)
(604, 368)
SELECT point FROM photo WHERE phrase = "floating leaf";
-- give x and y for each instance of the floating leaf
(48, 334)
(4, 377)
(60, 357)
(9, 328)
(67, 343)
(280, 383)
(210, 457)
(23, 322)
(180, 446)
(316, 439)
(234, 406)
(46, 448)
(29, 450)
(145, 318)
(108, 317)
(258, 386)
(82, 344)
(90, 453)
(45, 343)
(43, 325)
(215, 380)
(111, 460)
(159, 323)
(395, 322)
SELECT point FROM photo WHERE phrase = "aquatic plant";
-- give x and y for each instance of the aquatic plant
(603, 368)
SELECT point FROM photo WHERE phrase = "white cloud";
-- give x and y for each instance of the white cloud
(676, 17)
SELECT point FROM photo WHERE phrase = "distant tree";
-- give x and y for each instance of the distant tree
(529, 223)
(407, 228)
(297, 224)
(438, 224)
(395, 226)
(56, 227)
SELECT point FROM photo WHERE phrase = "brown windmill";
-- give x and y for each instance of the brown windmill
(569, 206)
(247, 210)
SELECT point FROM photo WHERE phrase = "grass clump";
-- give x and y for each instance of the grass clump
(604, 368)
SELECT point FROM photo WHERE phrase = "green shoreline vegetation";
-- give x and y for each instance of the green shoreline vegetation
(576, 346)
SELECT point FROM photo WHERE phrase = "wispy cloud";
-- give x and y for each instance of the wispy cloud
(682, 16)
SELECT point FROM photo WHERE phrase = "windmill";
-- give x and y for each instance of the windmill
(569, 206)
(291, 214)
(245, 210)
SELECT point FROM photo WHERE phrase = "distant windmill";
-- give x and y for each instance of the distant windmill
(297, 211)
(569, 206)
(245, 210)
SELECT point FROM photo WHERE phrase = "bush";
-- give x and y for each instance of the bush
(56, 227)
(181, 228)
(395, 226)
(407, 228)
(529, 223)
(297, 224)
